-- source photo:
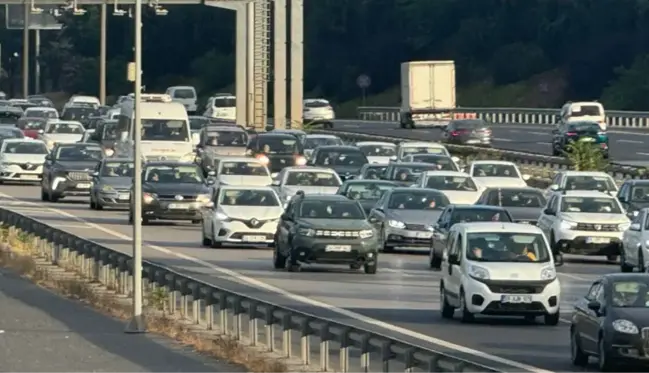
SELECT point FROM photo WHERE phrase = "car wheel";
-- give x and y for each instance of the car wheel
(130, 217)
(578, 356)
(279, 260)
(370, 268)
(44, 196)
(435, 261)
(196, 221)
(354, 266)
(641, 267)
(467, 316)
(98, 206)
(215, 243)
(447, 309)
(206, 242)
(624, 267)
(611, 258)
(54, 197)
(552, 319)
(386, 248)
(604, 364)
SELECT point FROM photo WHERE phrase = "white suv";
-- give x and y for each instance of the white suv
(584, 222)
(500, 269)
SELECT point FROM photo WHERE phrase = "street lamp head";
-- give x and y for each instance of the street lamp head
(159, 11)
(16, 54)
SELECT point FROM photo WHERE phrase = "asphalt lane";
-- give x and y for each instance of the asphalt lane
(404, 293)
(43, 332)
(626, 145)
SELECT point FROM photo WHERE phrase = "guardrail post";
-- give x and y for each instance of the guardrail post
(386, 356)
(286, 335)
(223, 313)
(344, 351)
(433, 364)
(196, 303)
(209, 309)
(269, 329)
(410, 360)
(325, 336)
(253, 323)
(305, 340)
(237, 317)
(170, 279)
(365, 353)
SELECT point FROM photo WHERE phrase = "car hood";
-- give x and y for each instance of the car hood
(346, 170)
(379, 160)
(460, 197)
(245, 180)
(226, 150)
(633, 205)
(520, 271)
(77, 165)
(594, 218)
(525, 213)
(117, 182)
(292, 190)
(426, 217)
(179, 188)
(342, 224)
(252, 212)
(23, 158)
(496, 182)
(63, 138)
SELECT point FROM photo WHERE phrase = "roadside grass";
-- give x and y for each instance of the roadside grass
(19, 254)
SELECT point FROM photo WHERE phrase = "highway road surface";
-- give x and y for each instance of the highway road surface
(43, 332)
(400, 300)
(625, 144)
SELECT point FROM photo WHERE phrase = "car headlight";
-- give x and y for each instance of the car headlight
(430, 228)
(567, 224)
(548, 273)
(306, 232)
(221, 216)
(300, 161)
(109, 152)
(50, 143)
(107, 188)
(203, 198)
(625, 326)
(396, 224)
(149, 197)
(366, 233)
(189, 157)
(478, 273)
(635, 213)
(624, 226)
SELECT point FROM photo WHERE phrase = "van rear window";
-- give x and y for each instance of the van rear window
(184, 93)
(585, 110)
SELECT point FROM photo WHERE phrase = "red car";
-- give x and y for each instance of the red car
(32, 127)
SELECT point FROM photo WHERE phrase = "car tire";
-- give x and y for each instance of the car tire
(130, 217)
(624, 267)
(196, 221)
(552, 319)
(447, 309)
(435, 261)
(612, 258)
(354, 266)
(386, 248)
(556, 251)
(54, 197)
(44, 196)
(603, 362)
(279, 260)
(98, 206)
(370, 268)
(206, 242)
(641, 267)
(467, 316)
(577, 355)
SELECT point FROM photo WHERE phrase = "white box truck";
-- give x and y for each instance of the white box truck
(427, 93)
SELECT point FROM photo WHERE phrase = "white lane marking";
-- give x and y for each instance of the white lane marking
(538, 133)
(544, 143)
(503, 140)
(302, 299)
(640, 153)
(573, 276)
(630, 141)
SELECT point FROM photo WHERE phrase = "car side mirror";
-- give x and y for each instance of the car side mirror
(453, 259)
(94, 174)
(275, 183)
(123, 136)
(373, 219)
(211, 181)
(40, 132)
(48, 158)
(548, 212)
(635, 227)
(622, 199)
(554, 187)
(526, 177)
(594, 305)
(286, 217)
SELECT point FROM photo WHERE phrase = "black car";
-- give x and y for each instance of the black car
(91, 122)
(454, 214)
(525, 204)
(276, 150)
(367, 192)
(611, 322)
(68, 170)
(634, 195)
(585, 132)
(347, 161)
(196, 123)
(79, 112)
(106, 135)
(468, 132)
(10, 115)
(173, 191)
(372, 171)
(407, 173)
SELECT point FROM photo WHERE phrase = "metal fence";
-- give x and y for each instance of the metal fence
(226, 312)
(614, 118)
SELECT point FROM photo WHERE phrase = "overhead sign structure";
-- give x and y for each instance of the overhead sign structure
(15, 19)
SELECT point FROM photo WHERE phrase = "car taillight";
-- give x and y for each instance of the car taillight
(300, 160)
(263, 159)
(457, 133)
(571, 133)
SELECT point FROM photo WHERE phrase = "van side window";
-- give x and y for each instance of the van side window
(458, 247)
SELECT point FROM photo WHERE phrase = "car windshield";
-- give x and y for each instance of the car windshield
(451, 183)
(585, 110)
(11, 133)
(418, 200)
(312, 178)
(630, 293)
(506, 247)
(407, 150)
(25, 148)
(314, 142)
(244, 168)
(341, 158)
(640, 193)
(225, 102)
(278, 145)
(598, 183)
(79, 153)
(78, 113)
(495, 170)
(196, 124)
(184, 93)
(374, 172)
(331, 210)
(65, 128)
(378, 150)
(410, 173)
(227, 138)
(32, 125)
(174, 174)
(516, 198)
(244, 197)
(596, 205)
(466, 215)
(111, 131)
(367, 191)
(118, 169)
(584, 127)
(165, 130)
(443, 163)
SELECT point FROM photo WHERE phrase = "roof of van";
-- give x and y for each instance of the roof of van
(486, 227)
(153, 110)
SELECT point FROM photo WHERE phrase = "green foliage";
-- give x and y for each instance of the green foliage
(586, 157)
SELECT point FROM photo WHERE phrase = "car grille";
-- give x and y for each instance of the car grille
(172, 197)
(79, 176)
(336, 234)
(597, 227)
(416, 227)
(516, 289)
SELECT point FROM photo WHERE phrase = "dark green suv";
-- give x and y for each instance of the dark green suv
(572, 132)
(325, 229)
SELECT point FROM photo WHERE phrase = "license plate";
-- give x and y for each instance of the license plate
(123, 196)
(30, 177)
(83, 186)
(254, 238)
(598, 240)
(516, 299)
(178, 206)
(424, 234)
(338, 248)
(587, 139)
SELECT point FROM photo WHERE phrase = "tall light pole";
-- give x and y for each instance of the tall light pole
(102, 55)
(137, 323)
(26, 50)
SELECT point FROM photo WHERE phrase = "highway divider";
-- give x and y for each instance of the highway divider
(223, 310)
(614, 118)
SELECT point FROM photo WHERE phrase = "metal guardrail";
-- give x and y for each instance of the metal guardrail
(214, 307)
(543, 166)
(614, 118)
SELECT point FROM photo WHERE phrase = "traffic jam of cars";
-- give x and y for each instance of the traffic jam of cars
(314, 199)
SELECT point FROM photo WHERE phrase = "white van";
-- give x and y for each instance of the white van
(584, 111)
(165, 132)
(78, 99)
(500, 269)
(221, 106)
(185, 95)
